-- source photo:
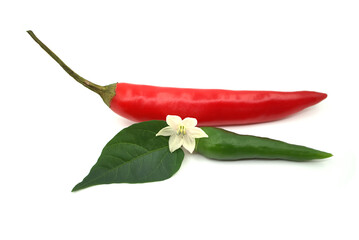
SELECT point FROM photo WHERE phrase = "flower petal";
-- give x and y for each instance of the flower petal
(189, 122)
(189, 143)
(196, 132)
(173, 121)
(166, 131)
(175, 142)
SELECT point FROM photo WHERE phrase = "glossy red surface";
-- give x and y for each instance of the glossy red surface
(211, 107)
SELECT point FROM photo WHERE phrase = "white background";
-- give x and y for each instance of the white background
(53, 129)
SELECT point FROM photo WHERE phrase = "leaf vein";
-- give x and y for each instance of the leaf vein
(156, 166)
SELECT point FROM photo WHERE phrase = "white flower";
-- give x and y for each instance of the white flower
(181, 132)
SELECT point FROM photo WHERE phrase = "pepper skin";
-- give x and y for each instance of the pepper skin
(225, 145)
(211, 107)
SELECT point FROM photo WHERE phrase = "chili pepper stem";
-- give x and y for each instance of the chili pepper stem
(106, 92)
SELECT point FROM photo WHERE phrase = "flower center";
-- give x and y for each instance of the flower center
(181, 130)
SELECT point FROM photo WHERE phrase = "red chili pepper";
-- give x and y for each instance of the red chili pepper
(211, 107)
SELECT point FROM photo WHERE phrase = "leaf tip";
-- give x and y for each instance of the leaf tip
(77, 187)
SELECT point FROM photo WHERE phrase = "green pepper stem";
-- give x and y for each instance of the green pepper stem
(101, 90)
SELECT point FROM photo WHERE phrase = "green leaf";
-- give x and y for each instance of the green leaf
(135, 155)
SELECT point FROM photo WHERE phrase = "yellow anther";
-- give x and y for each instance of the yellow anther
(181, 130)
